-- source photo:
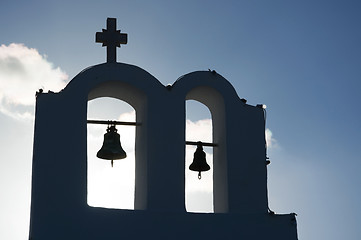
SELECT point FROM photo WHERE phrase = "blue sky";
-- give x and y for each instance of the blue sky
(300, 58)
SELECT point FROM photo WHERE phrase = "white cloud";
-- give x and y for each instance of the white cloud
(23, 71)
(270, 140)
(200, 130)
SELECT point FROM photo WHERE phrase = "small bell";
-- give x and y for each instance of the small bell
(199, 163)
(111, 149)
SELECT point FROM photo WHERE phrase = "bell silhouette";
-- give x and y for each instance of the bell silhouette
(199, 163)
(111, 149)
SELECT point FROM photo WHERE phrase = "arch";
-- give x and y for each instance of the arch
(127, 92)
(110, 187)
(213, 91)
(132, 85)
(232, 119)
(91, 77)
(198, 193)
(215, 103)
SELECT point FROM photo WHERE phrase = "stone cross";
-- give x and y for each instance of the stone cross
(111, 38)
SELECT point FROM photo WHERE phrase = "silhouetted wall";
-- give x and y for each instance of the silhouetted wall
(59, 207)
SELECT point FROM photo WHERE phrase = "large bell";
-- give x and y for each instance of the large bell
(199, 163)
(111, 149)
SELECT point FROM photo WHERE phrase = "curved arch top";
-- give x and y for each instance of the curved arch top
(92, 77)
(190, 81)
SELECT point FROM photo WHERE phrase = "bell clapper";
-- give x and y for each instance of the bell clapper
(112, 162)
(199, 175)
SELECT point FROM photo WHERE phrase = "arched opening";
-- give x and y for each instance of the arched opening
(198, 192)
(110, 187)
(214, 101)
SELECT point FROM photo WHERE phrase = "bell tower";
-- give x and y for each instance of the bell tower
(59, 207)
